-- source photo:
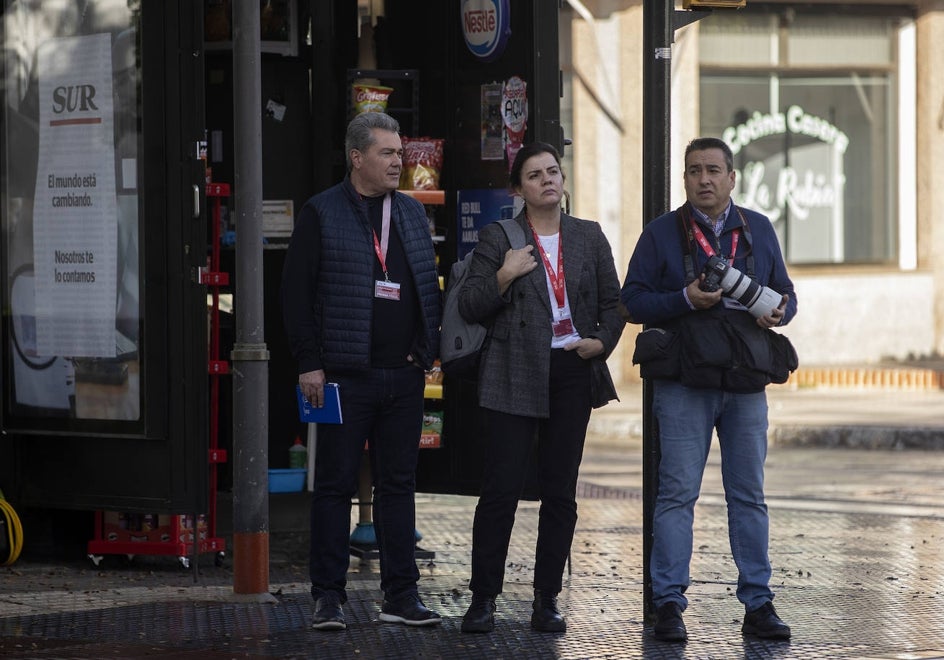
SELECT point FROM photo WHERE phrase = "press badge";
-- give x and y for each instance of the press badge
(387, 290)
(563, 327)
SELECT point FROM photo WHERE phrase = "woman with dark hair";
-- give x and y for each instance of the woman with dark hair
(551, 309)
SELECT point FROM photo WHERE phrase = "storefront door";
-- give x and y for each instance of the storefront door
(104, 365)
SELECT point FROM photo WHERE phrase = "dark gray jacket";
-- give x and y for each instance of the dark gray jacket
(515, 364)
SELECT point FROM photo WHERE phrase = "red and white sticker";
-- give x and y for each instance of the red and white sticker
(515, 108)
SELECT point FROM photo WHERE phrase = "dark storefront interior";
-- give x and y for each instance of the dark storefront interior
(62, 469)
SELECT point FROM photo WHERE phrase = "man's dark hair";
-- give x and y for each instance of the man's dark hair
(360, 131)
(702, 143)
(526, 152)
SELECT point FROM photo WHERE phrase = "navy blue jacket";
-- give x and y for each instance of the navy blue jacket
(328, 280)
(652, 290)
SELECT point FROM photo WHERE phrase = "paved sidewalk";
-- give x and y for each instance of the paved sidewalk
(856, 546)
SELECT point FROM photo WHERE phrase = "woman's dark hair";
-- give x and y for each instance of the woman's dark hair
(526, 152)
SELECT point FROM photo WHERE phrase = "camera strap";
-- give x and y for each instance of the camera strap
(684, 220)
(749, 258)
(707, 247)
(690, 233)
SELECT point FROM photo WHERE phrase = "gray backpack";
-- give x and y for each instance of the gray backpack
(460, 341)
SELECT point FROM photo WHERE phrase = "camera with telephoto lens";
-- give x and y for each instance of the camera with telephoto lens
(757, 298)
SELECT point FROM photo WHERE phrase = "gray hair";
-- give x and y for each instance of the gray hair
(360, 132)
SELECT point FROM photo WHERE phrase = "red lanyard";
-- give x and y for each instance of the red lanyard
(557, 278)
(706, 246)
(380, 246)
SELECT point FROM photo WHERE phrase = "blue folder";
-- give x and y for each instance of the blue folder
(329, 413)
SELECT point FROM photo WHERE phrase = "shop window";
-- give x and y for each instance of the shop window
(70, 210)
(808, 108)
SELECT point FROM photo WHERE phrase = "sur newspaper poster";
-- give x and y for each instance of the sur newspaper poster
(75, 206)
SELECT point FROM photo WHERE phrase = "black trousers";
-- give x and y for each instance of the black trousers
(508, 451)
(384, 407)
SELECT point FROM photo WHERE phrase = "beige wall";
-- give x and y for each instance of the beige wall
(607, 135)
(607, 65)
(930, 153)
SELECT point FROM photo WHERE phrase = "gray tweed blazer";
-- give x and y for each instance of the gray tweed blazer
(515, 364)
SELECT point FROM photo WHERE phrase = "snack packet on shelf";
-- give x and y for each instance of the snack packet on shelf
(370, 98)
(422, 163)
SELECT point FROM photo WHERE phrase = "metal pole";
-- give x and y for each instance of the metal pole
(250, 355)
(656, 120)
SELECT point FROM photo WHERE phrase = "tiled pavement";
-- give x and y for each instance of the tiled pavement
(856, 546)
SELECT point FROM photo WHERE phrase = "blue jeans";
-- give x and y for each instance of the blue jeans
(687, 418)
(385, 408)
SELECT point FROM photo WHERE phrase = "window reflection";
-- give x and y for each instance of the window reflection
(70, 208)
(814, 149)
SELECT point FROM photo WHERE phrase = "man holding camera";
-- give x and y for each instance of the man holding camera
(709, 352)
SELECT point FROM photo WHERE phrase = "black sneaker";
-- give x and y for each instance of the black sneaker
(409, 611)
(480, 617)
(328, 614)
(669, 625)
(764, 622)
